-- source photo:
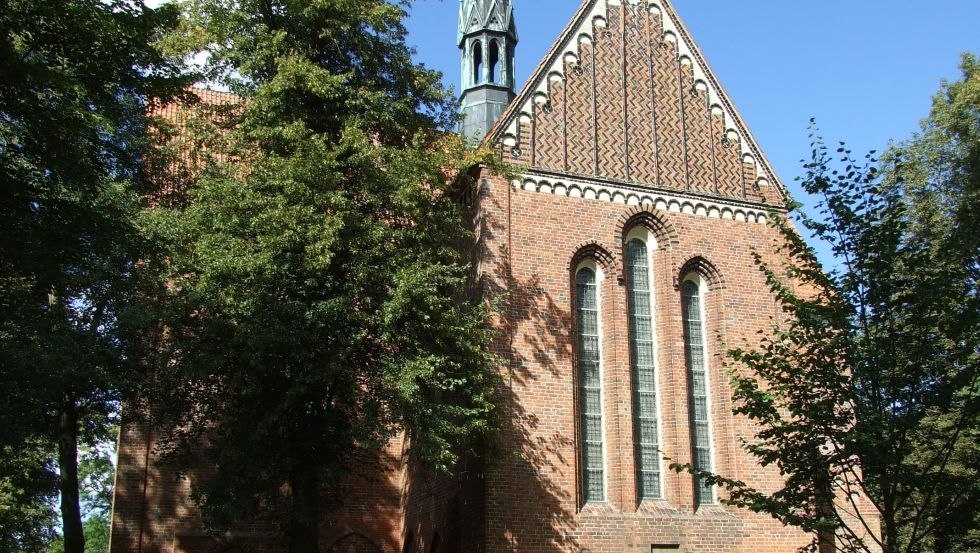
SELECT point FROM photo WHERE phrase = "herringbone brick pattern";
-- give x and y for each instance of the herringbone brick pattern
(610, 122)
(670, 131)
(581, 106)
(639, 98)
(523, 151)
(700, 168)
(629, 111)
(748, 181)
(726, 159)
(548, 132)
(524, 147)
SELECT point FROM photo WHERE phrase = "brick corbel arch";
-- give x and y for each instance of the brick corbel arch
(701, 266)
(597, 252)
(656, 222)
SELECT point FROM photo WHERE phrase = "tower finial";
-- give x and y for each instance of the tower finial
(487, 39)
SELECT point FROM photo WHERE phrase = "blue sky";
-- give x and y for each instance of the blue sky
(865, 69)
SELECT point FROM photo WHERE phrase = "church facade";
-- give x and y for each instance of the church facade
(622, 260)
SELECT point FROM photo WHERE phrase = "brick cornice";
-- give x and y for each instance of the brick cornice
(650, 199)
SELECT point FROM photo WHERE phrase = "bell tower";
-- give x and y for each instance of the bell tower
(487, 38)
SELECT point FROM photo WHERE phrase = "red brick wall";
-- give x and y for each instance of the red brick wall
(531, 241)
(446, 513)
(153, 512)
(527, 498)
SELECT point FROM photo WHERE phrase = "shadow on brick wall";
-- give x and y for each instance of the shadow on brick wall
(525, 496)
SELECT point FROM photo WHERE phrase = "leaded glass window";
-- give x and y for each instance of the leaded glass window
(697, 380)
(590, 385)
(644, 376)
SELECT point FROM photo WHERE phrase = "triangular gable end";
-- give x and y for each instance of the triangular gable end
(625, 96)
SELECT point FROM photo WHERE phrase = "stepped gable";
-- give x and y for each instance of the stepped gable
(625, 96)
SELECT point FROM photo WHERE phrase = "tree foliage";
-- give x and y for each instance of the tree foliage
(75, 77)
(312, 295)
(96, 474)
(27, 481)
(870, 388)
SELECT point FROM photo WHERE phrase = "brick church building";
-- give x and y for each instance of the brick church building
(624, 257)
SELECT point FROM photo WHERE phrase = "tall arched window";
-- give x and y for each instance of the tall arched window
(494, 60)
(590, 384)
(695, 351)
(477, 62)
(643, 356)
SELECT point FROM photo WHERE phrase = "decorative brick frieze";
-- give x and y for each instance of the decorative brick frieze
(638, 196)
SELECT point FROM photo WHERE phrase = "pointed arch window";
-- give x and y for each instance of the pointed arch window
(643, 358)
(695, 352)
(494, 60)
(477, 62)
(590, 385)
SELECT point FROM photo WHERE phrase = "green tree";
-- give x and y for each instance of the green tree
(96, 474)
(313, 297)
(27, 478)
(870, 387)
(75, 77)
(940, 170)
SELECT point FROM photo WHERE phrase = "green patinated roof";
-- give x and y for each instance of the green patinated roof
(486, 15)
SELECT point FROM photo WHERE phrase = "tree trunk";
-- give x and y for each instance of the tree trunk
(71, 513)
(889, 530)
(826, 539)
(305, 514)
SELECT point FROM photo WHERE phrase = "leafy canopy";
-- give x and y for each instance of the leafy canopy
(312, 295)
(867, 396)
(75, 77)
